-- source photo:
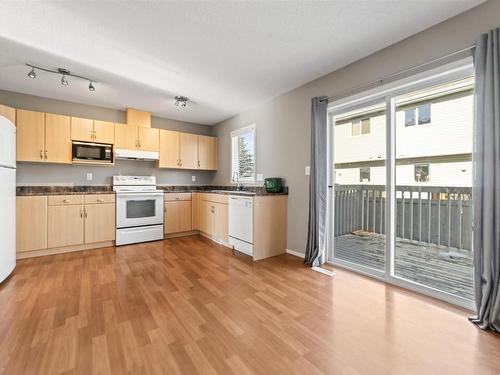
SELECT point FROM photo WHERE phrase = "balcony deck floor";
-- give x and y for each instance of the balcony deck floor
(429, 265)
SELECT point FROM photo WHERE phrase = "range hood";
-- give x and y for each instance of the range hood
(136, 155)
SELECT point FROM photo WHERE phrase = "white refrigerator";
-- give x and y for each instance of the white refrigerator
(7, 198)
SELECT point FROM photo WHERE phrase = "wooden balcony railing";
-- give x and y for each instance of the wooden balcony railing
(438, 215)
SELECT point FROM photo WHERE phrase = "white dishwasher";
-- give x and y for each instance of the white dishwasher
(241, 223)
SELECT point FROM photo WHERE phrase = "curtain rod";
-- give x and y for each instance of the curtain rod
(392, 75)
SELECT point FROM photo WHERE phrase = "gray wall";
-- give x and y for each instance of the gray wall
(35, 173)
(283, 124)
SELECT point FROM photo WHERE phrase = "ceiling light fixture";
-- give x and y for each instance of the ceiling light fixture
(181, 101)
(63, 72)
(32, 73)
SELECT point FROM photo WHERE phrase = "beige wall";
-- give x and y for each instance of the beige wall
(34, 173)
(283, 124)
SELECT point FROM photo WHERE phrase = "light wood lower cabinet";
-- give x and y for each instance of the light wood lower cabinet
(99, 222)
(177, 216)
(31, 223)
(59, 221)
(65, 225)
(221, 222)
(213, 216)
(205, 217)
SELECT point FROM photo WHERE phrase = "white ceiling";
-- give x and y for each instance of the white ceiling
(226, 56)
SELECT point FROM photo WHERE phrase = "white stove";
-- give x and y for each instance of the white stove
(139, 209)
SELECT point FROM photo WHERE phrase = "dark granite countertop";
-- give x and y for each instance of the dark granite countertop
(249, 190)
(107, 189)
(63, 190)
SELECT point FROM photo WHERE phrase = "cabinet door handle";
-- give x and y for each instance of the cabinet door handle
(81, 213)
(45, 154)
(199, 165)
(41, 154)
(100, 200)
(85, 210)
(66, 201)
(140, 143)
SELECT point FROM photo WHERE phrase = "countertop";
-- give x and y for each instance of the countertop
(108, 189)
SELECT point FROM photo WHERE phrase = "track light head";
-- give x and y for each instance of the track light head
(91, 86)
(32, 73)
(64, 82)
(181, 101)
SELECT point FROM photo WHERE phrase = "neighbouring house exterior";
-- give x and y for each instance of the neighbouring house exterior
(433, 140)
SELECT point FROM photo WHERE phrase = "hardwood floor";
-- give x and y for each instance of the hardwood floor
(188, 306)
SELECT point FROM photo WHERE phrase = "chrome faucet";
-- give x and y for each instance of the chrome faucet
(236, 178)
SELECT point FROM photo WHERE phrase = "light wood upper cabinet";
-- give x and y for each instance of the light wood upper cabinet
(30, 140)
(57, 138)
(31, 223)
(130, 137)
(99, 222)
(207, 151)
(221, 222)
(82, 129)
(178, 216)
(188, 151)
(8, 112)
(104, 132)
(126, 137)
(138, 118)
(169, 149)
(65, 225)
(149, 139)
(87, 130)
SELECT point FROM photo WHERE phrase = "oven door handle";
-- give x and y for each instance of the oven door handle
(138, 195)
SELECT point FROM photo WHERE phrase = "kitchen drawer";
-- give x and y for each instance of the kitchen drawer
(99, 198)
(65, 200)
(177, 196)
(216, 198)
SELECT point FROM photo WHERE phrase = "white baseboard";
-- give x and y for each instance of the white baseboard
(323, 271)
(295, 253)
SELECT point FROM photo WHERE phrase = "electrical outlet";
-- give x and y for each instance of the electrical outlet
(193, 178)
(260, 177)
(308, 170)
(89, 177)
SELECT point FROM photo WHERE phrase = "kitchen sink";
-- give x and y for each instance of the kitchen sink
(233, 192)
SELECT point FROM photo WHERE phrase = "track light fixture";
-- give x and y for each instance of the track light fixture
(32, 73)
(63, 72)
(181, 101)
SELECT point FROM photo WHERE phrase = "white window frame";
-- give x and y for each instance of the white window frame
(387, 93)
(235, 133)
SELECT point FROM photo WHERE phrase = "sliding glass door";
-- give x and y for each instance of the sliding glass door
(359, 156)
(401, 177)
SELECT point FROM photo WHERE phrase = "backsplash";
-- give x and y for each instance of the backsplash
(36, 174)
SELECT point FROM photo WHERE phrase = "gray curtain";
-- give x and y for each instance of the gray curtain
(316, 235)
(486, 186)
